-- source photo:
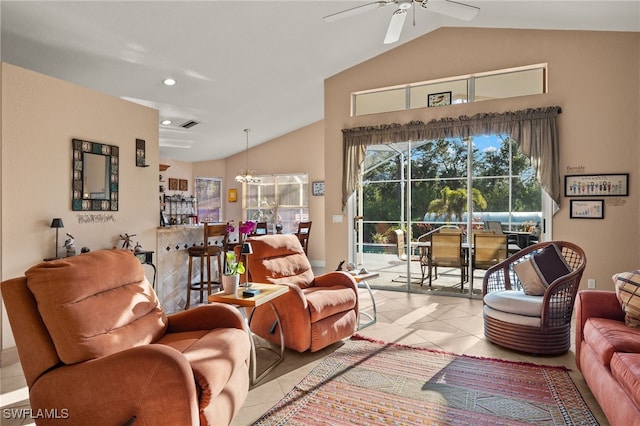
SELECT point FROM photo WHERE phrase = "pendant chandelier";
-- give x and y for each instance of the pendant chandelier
(245, 175)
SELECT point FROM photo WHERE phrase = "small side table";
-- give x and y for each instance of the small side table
(362, 279)
(268, 292)
(146, 258)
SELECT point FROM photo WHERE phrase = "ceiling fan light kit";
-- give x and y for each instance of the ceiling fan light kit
(451, 8)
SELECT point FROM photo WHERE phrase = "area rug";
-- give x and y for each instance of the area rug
(374, 383)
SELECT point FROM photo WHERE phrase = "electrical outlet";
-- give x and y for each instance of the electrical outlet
(591, 283)
(337, 218)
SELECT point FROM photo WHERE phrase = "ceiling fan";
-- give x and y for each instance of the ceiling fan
(451, 8)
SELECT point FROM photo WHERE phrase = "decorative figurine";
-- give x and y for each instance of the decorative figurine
(126, 241)
(70, 246)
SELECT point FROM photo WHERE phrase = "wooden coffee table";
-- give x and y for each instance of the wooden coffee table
(268, 292)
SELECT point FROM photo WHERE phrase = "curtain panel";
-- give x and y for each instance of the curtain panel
(534, 130)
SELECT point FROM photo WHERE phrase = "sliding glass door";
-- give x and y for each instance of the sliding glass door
(411, 190)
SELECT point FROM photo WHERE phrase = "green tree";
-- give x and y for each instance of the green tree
(454, 202)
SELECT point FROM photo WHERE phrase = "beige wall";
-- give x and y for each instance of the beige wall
(300, 151)
(593, 76)
(177, 170)
(40, 116)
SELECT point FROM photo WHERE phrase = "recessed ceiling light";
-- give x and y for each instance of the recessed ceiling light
(168, 82)
(166, 122)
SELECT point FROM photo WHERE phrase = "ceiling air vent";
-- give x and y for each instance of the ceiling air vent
(189, 124)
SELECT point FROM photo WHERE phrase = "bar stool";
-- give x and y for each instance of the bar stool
(204, 252)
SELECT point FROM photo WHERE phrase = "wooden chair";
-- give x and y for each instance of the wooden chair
(446, 250)
(204, 252)
(261, 229)
(304, 229)
(403, 255)
(509, 317)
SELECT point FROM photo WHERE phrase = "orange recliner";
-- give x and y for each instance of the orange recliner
(95, 345)
(317, 311)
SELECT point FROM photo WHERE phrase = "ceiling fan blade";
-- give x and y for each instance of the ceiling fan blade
(395, 26)
(347, 13)
(451, 8)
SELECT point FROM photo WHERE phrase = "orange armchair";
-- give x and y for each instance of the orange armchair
(96, 347)
(317, 311)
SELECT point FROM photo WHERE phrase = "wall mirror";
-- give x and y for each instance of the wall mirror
(95, 176)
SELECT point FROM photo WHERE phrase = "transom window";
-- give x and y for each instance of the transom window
(499, 84)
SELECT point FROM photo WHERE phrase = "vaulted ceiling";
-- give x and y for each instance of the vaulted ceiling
(241, 64)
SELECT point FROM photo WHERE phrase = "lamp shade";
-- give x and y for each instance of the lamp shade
(57, 223)
(246, 248)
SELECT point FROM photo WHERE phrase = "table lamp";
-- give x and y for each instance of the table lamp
(57, 223)
(246, 251)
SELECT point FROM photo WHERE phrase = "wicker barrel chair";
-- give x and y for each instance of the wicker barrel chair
(537, 322)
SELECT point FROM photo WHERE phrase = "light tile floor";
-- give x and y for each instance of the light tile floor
(451, 324)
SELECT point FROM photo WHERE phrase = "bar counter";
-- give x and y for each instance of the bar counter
(173, 261)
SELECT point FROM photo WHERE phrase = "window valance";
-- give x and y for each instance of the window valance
(534, 130)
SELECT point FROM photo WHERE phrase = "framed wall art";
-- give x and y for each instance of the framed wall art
(232, 195)
(604, 185)
(173, 184)
(586, 209)
(183, 184)
(438, 99)
(317, 188)
(141, 153)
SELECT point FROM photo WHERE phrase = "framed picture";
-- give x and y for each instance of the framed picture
(173, 184)
(232, 195)
(183, 184)
(604, 185)
(317, 188)
(586, 209)
(438, 99)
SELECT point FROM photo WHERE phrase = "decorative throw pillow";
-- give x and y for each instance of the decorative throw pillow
(529, 278)
(540, 270)
(628, 292)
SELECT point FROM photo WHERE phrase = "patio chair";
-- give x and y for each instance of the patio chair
(446, 250)
(496, 227)
(488, 250)
(531, 312)
(404, 255)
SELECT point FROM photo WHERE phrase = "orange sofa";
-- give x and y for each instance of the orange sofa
(608, 355)
(317, 311)
(96, 347)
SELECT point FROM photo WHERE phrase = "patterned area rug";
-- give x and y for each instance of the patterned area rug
(373, 383)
